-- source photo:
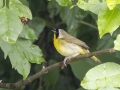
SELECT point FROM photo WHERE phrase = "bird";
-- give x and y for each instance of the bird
(69, 46)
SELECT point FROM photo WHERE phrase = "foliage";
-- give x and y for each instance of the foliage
(16, 36)
(22, 23)
(108, 22)
(102, 76)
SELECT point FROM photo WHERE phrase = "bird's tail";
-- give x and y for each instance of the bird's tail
(96, 59)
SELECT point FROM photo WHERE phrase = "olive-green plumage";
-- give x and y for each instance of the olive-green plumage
(69, 46)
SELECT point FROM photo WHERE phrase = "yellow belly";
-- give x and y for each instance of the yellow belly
(67, 49)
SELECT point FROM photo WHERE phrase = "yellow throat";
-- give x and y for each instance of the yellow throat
(65, 48)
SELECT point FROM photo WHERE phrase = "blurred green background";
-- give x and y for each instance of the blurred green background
(81, 24)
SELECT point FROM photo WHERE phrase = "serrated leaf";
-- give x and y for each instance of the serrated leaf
(29, 51)
(117, 43)
(108, 20)
(103, 75)
(10, 26)
(19, 63)
(27, 33)
(21, 10)
(21, 53)
(64, 2)
(112, 3)
(92, 5)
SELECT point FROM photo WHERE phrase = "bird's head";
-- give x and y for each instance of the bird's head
(59, 33)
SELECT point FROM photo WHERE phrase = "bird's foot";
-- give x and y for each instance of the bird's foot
(64, 62)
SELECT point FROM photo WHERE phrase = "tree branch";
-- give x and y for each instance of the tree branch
(43, 71)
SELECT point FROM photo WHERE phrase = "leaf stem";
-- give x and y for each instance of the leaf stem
(88, 24)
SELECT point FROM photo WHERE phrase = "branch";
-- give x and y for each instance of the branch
(43, 71)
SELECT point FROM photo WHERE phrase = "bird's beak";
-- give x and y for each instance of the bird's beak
(53, 30)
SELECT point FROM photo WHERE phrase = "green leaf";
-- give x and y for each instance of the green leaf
(117, 43)
(103, 75)
(6, 47)
(10, 26)
(112, 3)
(37, 24)
(29, 51)
(108, 88)
(64, 2)
(108, 20)
(27, 33)
(19, 62)
(1, 4)
(92, 5)
(20, 53)
(20, 9)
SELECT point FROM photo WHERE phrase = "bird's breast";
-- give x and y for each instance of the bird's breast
(66, 48)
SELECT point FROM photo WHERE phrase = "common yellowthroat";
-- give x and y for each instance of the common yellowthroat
(69, 46)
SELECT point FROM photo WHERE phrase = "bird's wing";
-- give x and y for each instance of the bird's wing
(76, 41)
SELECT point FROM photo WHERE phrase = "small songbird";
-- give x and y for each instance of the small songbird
(69, 46)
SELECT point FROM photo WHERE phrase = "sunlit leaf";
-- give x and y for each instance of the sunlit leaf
(108, 20)
(112, 3)
(92, 5)
(19, 63)
(6, 47)
(21, 53)
(64, 2)
(10, 25)
(27, 33)
(29, 51)
(109, 88)
(117, 43)
(20, 9)
(103, 75)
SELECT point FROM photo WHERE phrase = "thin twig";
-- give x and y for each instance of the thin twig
(43, 71)
(88, 24)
